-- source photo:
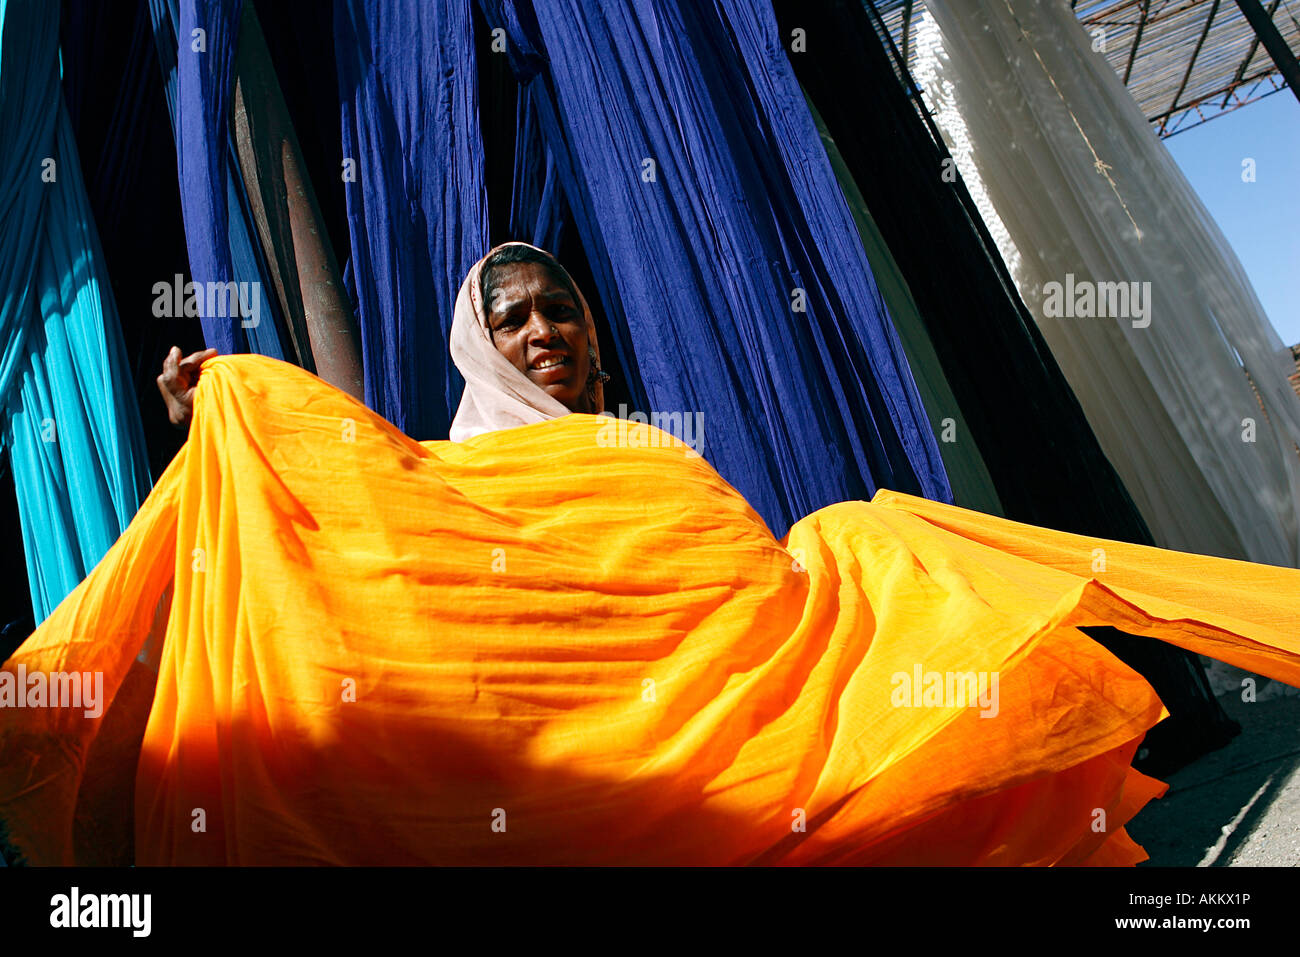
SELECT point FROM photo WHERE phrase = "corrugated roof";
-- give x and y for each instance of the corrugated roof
(1184, 61)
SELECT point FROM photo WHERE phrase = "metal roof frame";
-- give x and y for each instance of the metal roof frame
(1185, 62)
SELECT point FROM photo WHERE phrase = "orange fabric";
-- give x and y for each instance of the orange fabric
(376, 649)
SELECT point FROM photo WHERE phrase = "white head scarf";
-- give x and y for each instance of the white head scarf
(497, 395)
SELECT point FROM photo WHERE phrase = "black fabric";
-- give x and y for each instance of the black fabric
(113, 87)
(16, 618)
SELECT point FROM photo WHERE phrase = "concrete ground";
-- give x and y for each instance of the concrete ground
(1239, 806)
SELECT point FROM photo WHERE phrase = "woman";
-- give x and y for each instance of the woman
(522, 336)
(529, 646)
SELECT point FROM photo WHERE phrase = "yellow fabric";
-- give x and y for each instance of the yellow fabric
(542, 646)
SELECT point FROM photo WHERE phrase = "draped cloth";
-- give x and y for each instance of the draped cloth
(71, 426)
(497, 395)
(732, 278)
(118, 108)
(324, 642)
(1189, 396)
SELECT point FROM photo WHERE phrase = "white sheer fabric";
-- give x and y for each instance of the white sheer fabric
(1077, 189)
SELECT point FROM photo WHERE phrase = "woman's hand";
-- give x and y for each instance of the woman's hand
(179, 379)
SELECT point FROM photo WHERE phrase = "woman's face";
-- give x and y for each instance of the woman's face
(538, 327)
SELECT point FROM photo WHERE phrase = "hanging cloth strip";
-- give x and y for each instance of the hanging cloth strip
(1044, 459)
(724, 252)
(599, 645)
(1133, 285)
(116, 101)
(71, 423)
(196, 48)
(417, 205)
(537, 199)
(972, 486)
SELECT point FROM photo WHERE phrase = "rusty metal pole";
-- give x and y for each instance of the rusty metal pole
(289, 224)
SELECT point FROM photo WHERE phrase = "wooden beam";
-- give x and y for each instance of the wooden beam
(1137, 38)
(1209, 22)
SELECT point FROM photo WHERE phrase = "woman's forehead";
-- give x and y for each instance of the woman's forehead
(503, 300)
(513, 283)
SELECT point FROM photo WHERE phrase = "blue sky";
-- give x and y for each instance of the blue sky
(1260, 219)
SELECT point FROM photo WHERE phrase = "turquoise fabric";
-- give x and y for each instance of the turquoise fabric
(71, 424)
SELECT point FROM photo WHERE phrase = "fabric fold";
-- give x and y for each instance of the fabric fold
(196, 41)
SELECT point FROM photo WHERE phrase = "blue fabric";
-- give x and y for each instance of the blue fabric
(537, 199)
(71, 422)
(698, 270)
(219, 231)
(418, 208)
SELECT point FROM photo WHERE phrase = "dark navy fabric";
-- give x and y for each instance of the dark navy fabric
(418, 206)
(537, 199)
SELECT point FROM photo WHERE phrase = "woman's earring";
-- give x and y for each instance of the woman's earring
(596, 373)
